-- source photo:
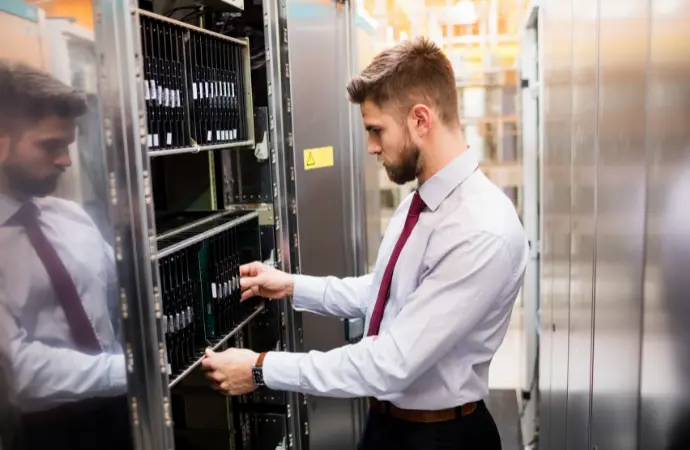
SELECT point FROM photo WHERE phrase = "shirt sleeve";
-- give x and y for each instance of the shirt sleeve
(45, 376)
(465, 278)
(330, 296)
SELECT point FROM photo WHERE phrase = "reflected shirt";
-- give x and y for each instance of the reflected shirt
(48, 370)
(451, 297)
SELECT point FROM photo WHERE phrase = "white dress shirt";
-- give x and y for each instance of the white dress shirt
(48, 370)
(451, 298)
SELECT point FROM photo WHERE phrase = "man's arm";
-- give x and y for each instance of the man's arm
(467, 282)
(48, 376)
(331, 296)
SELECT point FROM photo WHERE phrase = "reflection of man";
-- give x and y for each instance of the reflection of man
(439, 301)
(55, 275)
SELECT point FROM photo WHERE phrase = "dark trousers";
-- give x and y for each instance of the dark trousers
(98, 424)
(475, 431)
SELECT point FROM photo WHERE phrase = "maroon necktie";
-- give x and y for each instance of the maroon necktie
(80, 326)
(412, 217)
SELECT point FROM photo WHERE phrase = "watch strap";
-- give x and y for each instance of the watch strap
(260, 361)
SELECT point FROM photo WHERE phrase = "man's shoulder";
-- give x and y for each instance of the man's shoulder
(66, 209)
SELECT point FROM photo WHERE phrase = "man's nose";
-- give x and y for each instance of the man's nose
(63, 159)
(374, 149)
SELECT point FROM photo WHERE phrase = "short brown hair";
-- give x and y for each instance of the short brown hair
(28, 94)
(411, 72)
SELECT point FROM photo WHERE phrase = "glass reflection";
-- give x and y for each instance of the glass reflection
(62, 369)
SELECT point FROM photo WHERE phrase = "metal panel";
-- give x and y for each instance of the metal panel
(583, 220)
(665, 383)
(328, 198)
(281, 144)
(558, 116)
(620, 223)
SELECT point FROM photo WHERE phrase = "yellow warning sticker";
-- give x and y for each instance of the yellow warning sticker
(317, 158)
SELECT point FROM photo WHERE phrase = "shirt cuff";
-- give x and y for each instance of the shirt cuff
(282, 371)
(309, 292)
(118, 374)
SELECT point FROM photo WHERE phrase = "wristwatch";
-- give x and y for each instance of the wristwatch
(258, 371)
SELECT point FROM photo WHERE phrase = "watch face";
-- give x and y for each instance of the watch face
(258, 376)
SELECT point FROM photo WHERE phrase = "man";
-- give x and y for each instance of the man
(56, 272)
(439, 301)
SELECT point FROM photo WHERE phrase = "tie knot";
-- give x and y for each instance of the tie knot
(27, 213)
(417, 205)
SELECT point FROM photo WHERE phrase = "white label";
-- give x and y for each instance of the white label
(155, 140)
(210, 136)
(164, 324)
(171, 324)
(160, 95)
(147, 93)
(234, 134)
(227, 289)
(166, 97)
(177, 98)
(168, 139)
(183, 319)
(178, 321)
(217, 135)
(214, 91)
(194, 94)
(233, 88)
(213, 290)
(169, 369)
(153, 89)
(149, 140)
(227, 89)
(206, 88)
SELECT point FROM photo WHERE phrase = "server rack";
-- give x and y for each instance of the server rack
(179, 117)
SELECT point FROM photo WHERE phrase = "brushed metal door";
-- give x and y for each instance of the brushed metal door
(620, 223)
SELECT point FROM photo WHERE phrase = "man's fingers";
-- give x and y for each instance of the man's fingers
(251, 270)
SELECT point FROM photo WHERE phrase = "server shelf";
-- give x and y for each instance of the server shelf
(198, 262)
(217, 344)
(197, 88)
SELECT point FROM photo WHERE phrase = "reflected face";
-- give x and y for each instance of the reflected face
(390, 140)
(38, 155)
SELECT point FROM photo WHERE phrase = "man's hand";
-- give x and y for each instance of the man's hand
(264, 281)
(230, 371)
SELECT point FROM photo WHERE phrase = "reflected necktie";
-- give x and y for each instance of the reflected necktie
(412, 217)
(80, 326)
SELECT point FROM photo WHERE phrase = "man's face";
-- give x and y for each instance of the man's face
(390, 140)
(34, 157)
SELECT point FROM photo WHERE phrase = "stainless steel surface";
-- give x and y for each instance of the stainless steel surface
(584, 146)
(557, 40)
(216, 345)
(132, 212)
(620, 200)
(205, 235)
(529, 100)
(281, 147)
(627, 339)
(331, 228)
(665, 369)
(199, 148)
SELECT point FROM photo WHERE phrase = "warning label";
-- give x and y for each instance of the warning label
(317, 158)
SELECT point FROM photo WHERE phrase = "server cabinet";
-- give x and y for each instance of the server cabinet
(200, 138)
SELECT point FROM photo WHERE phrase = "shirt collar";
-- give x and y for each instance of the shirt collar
(439, 186)
(8, 207)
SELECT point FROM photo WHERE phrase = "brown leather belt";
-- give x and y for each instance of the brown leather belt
(411, 415)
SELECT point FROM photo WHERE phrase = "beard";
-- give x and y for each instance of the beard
(22, 183)
(407, 168)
